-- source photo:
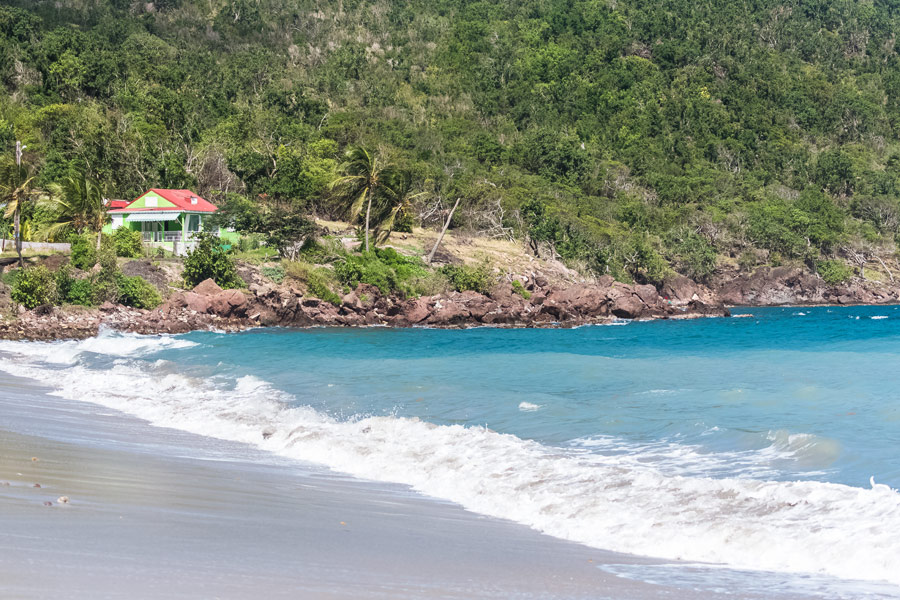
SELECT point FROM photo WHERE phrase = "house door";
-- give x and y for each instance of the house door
(152, 231)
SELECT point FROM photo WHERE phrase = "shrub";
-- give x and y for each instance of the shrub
(81, 291)
(64, 281)
(520, 289)
(384, 268)
(208, 260)
(127, 243)
(367, 268)
(275, 273)
(33, 287)
(106, 282)
(318, 280)
(136, 292)
(834, 272)
(694, 255)
(464, 277)
(84, 256)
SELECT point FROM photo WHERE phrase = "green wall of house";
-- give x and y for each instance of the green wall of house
(155, 200)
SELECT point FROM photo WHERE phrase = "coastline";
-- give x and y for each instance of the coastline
(538, 303)
(147, 508)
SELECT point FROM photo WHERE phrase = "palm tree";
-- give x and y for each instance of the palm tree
(363, 181)
(16, 189)
(397, 198)
(76, 206)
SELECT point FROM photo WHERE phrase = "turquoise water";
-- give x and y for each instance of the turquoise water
(767, 442)
(723, 385)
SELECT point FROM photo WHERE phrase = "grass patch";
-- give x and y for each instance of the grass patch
(319, 281)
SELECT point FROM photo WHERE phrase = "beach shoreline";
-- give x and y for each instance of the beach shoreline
(159, 513)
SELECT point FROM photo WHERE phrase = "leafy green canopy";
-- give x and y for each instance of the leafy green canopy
(628, 123)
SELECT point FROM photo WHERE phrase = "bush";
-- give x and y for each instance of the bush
(106, 282)
(694, 255)
(73, 291)
(84, 256)
(834, 272)
(275, 273)
(318, 280)
(520, 289)
(208, 260)
(33, 287)
(136, 292)
(81, 291)
(464, 277)
(127, 243)
(384, 268)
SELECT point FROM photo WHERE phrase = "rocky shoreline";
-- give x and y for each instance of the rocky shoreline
(538, 304)
(267, 305)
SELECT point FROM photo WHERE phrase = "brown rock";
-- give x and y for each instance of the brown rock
(229, 303)
(351, 301)
(196, 302)
(207, 287)
(447, 312)
(415, 311)
(627, 307)
(679, 289)
(647, 293)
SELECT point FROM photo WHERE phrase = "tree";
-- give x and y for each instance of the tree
(16, 189)
(76, 206)
(364, 180)
(396, 198)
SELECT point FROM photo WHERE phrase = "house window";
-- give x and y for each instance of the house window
(193, 222)
(193, 199)
(149, 201)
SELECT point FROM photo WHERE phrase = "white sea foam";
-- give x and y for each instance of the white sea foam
(109, 343)
(608, 501)
(879, 317)
(529, 407)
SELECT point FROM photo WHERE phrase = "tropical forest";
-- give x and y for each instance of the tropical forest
(632, 138)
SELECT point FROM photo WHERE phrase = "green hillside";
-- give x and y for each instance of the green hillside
(633, 137)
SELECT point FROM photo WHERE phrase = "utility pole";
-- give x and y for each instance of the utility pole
(17, 230)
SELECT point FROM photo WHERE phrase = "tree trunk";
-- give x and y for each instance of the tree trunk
(443, 231)
(368, 210)
(17, 236)
(98, 241)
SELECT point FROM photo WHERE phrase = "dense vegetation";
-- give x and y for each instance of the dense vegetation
(632, 137)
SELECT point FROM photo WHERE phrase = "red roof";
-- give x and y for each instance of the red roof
(118, 203)
(182, 199)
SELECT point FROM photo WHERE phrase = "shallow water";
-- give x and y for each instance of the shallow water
(766, 442)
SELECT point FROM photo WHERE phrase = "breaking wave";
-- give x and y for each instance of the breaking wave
(603, 492)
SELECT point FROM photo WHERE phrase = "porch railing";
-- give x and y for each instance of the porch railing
(166, 236)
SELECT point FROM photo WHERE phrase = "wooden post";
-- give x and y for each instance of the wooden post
(443, 231)
(17, 230)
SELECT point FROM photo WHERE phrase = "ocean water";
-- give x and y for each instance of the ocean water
(763, 443)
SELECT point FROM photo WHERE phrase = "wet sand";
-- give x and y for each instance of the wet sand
(158, 513)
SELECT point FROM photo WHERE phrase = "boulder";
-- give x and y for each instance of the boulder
(647, 293)
(447, 312)
(415, 311)
(229, 303)
(679, 289)
(352, 302)
(207, 287)
(189, 301)
(627, 307)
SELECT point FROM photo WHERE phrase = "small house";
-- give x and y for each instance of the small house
(166, 218)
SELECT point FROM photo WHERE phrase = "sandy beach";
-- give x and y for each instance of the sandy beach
(158, 513)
